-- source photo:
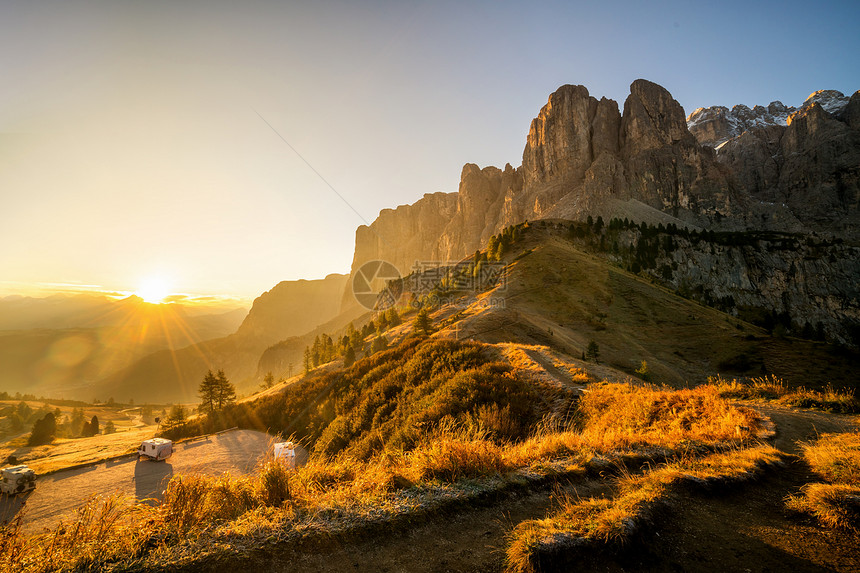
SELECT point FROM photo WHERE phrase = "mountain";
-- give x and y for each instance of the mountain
(714, 126)
(61, 311)
(291, 308)
(585, 158)
(799, 169)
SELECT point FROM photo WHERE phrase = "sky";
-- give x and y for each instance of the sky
(222, 147)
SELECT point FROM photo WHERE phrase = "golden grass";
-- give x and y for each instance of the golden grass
(836, 458)
(68, 452)
(624, 415)
(773, 388)
(580, 523)
(835, 505)
(203, 514)
(104, 530)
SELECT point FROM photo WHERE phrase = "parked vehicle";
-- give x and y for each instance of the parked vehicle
(156, 449)
(286, 451)
(17, 479)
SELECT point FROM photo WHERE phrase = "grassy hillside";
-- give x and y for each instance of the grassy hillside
(556, 293)
(392, 398)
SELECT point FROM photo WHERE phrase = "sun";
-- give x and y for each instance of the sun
(153, 290)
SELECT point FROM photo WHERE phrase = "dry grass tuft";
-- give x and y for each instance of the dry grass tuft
(773, 388)
(835, 505)
(624, 415)
(104, 530)
(836, 458)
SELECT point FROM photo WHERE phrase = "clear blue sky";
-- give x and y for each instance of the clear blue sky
(131, 145)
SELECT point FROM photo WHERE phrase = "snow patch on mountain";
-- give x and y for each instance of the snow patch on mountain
(832, 101)
(714, 126)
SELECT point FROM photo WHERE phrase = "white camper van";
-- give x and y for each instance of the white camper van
(17, 479)
(157, 449)
(286, 452)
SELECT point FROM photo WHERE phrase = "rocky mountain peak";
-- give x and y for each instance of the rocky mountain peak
(652, 119)
(558, 145)
(713, 126)
(831, 101)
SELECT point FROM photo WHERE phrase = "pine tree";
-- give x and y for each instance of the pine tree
(77, 423)
(349, 357)
(379, 343)
(393, 317)
(208, 391)
(307, 360)
(382, 322)
(327, 349)
(268, 381)
(423, 322)
(176, 416)
(315, 352)
(225, 391)
(44, 430)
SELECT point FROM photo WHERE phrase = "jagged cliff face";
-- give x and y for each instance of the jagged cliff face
(582, 156)
(765, 168)
(801, 174)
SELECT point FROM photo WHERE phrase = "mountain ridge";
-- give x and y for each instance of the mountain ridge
(585, 158)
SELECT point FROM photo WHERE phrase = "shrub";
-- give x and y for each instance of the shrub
(835, 505)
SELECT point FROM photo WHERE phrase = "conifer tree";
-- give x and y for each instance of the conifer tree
(423, 323)
(268, 381)
(225, 391)
(379, 343)
(208, 392)
(593, 351)
(349, 357)
(393, 317)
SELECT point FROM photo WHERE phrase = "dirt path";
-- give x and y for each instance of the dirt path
(748, 528)
(60, 493)
(455, 542)
(742, 529)
(795, 425)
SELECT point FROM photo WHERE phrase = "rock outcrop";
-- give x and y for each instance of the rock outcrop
(713, 126)
(772, 168)
(582, 156)
(813, 283)
(801, 176)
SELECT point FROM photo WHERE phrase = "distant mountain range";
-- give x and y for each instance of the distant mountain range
(62, 344)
